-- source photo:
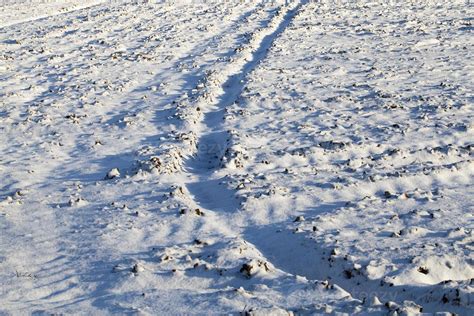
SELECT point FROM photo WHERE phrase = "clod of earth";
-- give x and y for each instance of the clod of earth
(299, 218)
(246, 269)
(113, 173)
(423, 270)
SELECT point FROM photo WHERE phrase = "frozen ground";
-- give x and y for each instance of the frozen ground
(232, 157)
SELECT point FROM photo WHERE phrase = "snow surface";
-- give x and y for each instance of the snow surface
(234, 157)
(20, 11)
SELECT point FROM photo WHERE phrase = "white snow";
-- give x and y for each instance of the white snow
(21, 11)
(269, 158)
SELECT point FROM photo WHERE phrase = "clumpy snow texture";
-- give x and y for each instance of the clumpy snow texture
(263, 158)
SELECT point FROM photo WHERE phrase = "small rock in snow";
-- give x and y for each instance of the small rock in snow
(137, 268)
(299, 218)
(113, 173)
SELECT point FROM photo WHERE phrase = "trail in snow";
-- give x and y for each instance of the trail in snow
(212, 138)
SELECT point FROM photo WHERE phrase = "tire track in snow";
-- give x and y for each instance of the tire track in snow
(214, 144)
(169, 156)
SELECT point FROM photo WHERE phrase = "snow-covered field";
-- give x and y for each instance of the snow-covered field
(270, 158)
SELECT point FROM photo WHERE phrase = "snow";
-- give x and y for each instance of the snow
(13, 12)
(226, 157)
